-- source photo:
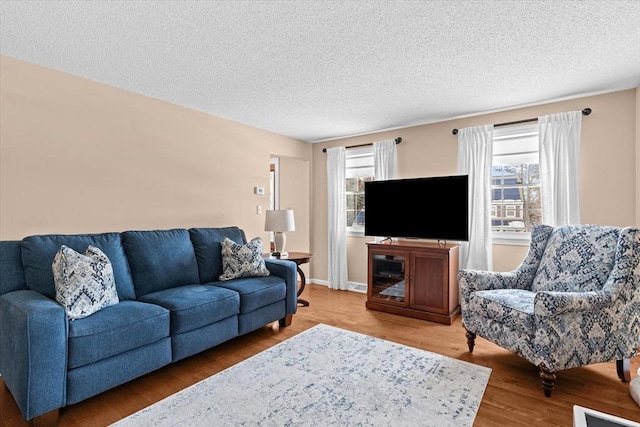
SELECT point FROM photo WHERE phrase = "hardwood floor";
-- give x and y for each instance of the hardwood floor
(513, 396)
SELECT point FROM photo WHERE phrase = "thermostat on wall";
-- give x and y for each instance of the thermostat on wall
(258, 190)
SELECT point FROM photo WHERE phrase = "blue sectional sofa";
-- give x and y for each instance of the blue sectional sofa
(171, 306)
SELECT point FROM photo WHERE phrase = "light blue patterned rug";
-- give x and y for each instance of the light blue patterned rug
(329, 376)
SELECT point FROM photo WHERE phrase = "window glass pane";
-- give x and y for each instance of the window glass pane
(352, 185)
(515, 182)
(351, 215)
(359, 169)
(359, 201)
(533, 173)
(351, 201)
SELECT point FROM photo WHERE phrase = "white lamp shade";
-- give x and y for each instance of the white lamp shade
(279, 220)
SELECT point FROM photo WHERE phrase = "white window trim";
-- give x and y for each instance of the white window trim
(511, 238)
(357, 231)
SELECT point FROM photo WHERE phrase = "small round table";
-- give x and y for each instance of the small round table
(298, 258)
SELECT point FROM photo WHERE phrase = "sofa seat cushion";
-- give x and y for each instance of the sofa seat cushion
(512, 307)
(256, 292)
(114, 330)
(160, 259)
(194, 306)
(38, 253)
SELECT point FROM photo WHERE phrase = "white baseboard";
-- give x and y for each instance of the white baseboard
(318, 282)
(360, 288)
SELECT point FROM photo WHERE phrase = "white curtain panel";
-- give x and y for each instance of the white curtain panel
(385, 160)
(475, 157)
(559, 167)
(337, 218)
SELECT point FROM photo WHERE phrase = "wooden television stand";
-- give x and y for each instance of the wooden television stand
(415, 279)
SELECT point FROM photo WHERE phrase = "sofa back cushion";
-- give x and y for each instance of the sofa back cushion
(207, 244)
(578, 258)
(11, 271)
(160, 259)
(38, 253)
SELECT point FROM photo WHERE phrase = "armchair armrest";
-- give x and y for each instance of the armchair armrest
(579, 328)
(554, 303)
(480, 280)
(33, 351)
(289, 272)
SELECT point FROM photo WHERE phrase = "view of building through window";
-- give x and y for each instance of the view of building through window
(355, 200)
(515, 201)
(359, 169)
(515, 179)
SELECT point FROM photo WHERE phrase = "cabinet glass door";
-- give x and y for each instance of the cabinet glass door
(388, 278)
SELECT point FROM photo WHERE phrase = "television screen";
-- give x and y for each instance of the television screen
(423, 208)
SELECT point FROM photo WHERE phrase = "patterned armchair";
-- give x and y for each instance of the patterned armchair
(574, 300)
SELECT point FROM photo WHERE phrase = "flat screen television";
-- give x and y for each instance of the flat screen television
(422, 208)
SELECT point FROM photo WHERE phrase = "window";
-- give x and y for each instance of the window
(515, 183)
(359, 169)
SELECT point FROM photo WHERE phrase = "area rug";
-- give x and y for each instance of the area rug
(329, 376)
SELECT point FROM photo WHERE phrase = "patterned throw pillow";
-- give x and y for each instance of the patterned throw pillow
(242, 260)
(84, 283)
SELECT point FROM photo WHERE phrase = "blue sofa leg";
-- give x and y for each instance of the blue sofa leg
(286, 321)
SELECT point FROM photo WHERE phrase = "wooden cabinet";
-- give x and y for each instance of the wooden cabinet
(415, 279)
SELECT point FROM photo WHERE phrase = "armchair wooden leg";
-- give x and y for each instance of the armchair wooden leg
(548, 381)
(624, 370)
(471, 340)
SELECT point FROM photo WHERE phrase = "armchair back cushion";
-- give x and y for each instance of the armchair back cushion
(577, 259)
(160, 259)
(38, 253)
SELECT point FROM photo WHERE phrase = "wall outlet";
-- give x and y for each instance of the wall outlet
(258, 209)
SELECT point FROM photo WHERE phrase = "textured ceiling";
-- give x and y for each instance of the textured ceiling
(317, 70)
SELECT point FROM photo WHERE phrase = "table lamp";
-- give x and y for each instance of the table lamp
(279, 221)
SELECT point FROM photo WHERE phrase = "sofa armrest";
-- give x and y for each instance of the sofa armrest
(33, 351)
(289, 272)
(554, 303)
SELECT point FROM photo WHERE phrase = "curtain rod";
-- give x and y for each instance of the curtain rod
(398, 141)
(585, 112)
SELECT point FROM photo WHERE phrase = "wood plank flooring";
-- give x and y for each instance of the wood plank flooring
(513, 396)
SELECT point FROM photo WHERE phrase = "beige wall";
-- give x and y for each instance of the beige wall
(77, 156)
(294, 194)
(607, 178)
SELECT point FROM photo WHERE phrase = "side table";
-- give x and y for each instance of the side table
(299, 258)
